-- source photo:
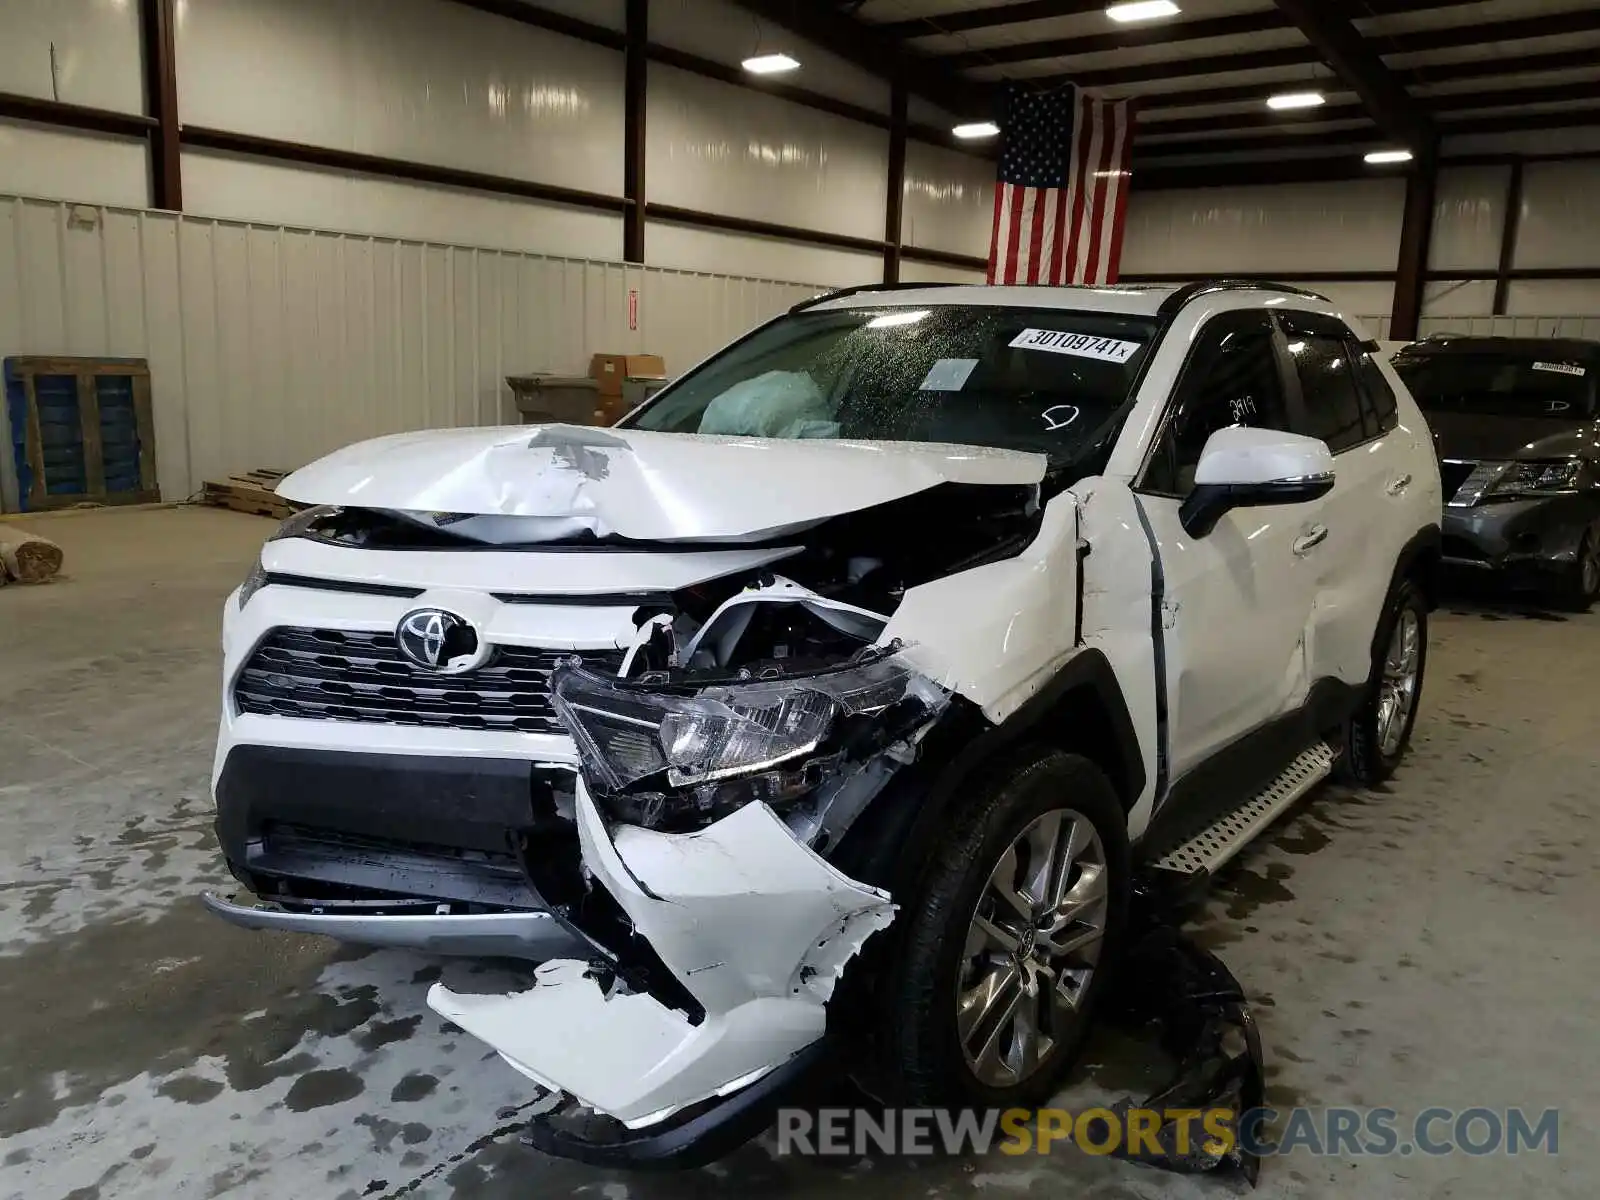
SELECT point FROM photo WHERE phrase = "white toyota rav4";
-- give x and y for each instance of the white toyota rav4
(836, 695)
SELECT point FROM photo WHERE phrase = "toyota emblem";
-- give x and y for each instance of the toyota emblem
(440, 641)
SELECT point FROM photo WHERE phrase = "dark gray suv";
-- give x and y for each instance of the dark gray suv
(1515, 425)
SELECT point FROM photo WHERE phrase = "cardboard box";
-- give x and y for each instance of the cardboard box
(611, 370)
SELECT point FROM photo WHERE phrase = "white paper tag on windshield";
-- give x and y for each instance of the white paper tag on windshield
(1079, 345)
(1559, 368)
(949, 375)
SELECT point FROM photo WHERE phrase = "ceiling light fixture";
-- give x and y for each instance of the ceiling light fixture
(977, 129)
(1284, 100)
(770, 64)
(1143, 10)
(1378, 157)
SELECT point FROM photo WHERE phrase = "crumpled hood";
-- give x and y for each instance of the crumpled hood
(527, 483)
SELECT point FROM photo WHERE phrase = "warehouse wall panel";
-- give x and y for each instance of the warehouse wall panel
(1577, 326)
(1341, 226)
(1574, 297)
(1560, 215)
(724, 149)
(1458, 298)
(420, 80)
(917, 272)
(271, 345)
(68, 165)
(694, 249)
(725, 32)
(95, 59)
(248, 189)
(1469, 215)
(949, 200)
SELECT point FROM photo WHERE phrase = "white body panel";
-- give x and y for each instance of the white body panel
(751, 922)
(1238, 604)
(997, 633)
(1383, 492)
(1117, 613)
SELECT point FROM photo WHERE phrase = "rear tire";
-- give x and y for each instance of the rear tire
(1379, 732)
(1009, 938)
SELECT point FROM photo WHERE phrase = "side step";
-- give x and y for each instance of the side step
(1230, 833)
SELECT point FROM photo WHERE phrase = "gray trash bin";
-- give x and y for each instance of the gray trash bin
(572, 399)
(636, 391)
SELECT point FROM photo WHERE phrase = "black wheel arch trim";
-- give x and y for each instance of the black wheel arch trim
(1420, 559)
(900, 824)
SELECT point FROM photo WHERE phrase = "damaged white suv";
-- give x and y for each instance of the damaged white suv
(835, 697)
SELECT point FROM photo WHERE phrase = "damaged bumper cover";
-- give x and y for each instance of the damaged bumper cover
(755, 926)
(703, 808)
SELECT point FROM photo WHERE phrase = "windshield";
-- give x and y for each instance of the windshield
(1046, 380)
(1497, 384)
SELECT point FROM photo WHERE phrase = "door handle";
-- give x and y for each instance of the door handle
(1308, 543)
(1399, 485)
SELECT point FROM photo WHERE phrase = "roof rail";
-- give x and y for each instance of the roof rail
(1205, 287)
(868, 287)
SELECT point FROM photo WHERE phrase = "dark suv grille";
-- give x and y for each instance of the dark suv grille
(340, 675)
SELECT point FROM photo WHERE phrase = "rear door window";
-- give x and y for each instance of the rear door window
(1379, 409)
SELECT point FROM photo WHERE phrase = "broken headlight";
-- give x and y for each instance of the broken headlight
(671, 756)
(293, 526)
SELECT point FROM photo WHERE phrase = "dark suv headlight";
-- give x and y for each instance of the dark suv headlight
(293, 526)
(669, 756)
(1520, 479)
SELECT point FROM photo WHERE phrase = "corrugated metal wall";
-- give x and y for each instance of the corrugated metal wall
(269, 345)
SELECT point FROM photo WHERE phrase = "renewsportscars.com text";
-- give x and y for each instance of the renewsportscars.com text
(1316, 1132)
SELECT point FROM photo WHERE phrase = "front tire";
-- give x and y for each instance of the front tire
(1379, 732)
(1009, 939)
(1579, 586)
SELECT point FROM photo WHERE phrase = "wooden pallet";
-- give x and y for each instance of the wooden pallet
(249, 492)
(87, 434)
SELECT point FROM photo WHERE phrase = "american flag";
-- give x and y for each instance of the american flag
(1062, 194)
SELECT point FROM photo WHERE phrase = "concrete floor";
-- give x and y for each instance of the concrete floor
(1431, 943)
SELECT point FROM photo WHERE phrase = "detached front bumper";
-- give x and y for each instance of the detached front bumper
(1519, 541)
(755, 927)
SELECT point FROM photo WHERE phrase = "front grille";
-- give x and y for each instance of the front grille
(341, 675)
(1452, 475)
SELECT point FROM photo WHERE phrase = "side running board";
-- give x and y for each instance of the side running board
(1230, 833)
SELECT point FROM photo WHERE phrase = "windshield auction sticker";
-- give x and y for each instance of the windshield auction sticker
(1079, 345)
(1558, 368)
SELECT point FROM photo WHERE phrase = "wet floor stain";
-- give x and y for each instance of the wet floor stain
(415, 1086)
(385, 1033)
(319, 1089)
(1303, 838)
(1244, 890)
(190, 1089)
